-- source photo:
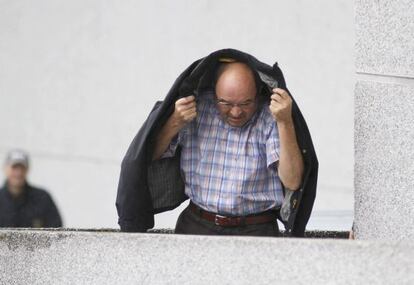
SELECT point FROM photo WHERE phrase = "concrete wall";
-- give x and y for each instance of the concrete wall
(30, 257)
(384, 129)
(78, 78)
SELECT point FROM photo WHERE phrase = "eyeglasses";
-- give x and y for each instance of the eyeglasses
(227, 105)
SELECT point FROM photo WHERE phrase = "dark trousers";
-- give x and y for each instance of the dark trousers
(189, 223)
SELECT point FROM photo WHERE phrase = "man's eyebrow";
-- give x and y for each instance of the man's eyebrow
(222, 100)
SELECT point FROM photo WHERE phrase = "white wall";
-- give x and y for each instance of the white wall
(78, 78)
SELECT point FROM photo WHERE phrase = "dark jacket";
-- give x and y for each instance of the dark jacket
(34, 208)
(146, 188)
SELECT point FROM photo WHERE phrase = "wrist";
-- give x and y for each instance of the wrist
(175, 124)
(286, 123)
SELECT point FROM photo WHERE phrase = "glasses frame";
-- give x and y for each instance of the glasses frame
(228, 105)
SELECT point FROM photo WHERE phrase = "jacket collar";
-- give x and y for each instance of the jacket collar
(22, 197)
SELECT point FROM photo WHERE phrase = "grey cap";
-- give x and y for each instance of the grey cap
(17, 156)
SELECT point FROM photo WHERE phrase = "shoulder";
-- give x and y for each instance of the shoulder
(267, 115)
(205, 99)
(265, 120)
(38, 193)
(206, 110)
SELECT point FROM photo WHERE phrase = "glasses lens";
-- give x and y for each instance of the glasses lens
(228, 105)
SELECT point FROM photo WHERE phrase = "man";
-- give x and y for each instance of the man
(237, 151)
(263, 153)
(22, 205)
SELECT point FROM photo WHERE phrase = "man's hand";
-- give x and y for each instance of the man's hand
(281, 105)
(184, 112)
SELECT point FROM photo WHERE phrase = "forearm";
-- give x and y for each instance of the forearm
(164, 138)
(290, 167)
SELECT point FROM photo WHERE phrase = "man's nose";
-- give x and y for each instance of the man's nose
(235, 111)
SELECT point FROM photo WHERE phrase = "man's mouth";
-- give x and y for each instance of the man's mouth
(233, 120)
(236, 122)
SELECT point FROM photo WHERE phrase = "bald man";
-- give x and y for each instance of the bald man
(238, 151)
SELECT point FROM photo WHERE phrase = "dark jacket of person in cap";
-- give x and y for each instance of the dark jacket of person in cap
(22, 205)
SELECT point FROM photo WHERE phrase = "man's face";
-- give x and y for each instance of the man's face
(236, 94)
(16, 175)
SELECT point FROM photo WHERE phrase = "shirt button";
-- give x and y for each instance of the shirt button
(304, 150)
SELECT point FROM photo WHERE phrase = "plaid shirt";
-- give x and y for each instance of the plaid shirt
(230, 170)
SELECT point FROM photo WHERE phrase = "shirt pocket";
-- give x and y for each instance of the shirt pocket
(256, 149)
(255, 161)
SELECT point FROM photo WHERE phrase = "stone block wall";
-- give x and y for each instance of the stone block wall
(384, 119)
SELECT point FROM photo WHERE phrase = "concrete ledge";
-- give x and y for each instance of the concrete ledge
(308, 234)
(77, 257)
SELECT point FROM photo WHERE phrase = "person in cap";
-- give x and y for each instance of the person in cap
(236, 151)
(21, 204)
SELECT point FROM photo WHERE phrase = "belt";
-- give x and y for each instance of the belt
(233, 221)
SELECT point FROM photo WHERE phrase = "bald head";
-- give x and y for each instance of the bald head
(236, 92)
(235, 78)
